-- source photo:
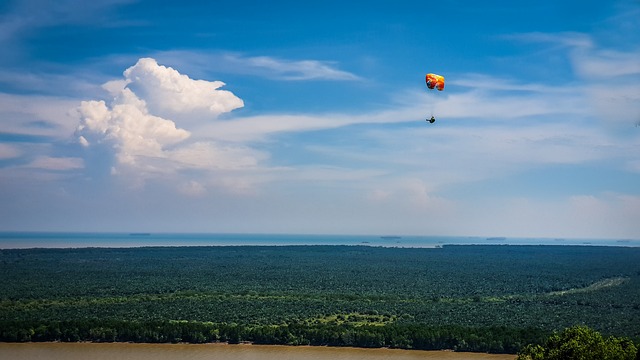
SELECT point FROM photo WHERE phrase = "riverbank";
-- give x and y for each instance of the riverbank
(219, 351)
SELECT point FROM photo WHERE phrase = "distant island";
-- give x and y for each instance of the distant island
(390, 237)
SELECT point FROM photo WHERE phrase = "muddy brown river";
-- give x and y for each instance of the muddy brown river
(126, 351)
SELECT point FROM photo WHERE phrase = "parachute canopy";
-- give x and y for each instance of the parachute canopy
(435, 81)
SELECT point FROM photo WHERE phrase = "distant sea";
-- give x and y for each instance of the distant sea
(23, 240)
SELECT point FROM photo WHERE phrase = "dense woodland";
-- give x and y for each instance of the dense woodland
(581, 343)
(466, 298)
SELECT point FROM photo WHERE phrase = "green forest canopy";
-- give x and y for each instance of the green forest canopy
(472, 298)
(581, 343)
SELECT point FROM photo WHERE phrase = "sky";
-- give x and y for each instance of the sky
(309, 117)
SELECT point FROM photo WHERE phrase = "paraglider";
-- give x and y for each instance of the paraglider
(434, 81)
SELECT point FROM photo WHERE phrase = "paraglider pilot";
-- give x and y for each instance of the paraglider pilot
(434, 81)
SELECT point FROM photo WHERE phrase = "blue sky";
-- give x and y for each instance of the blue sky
(290, 117)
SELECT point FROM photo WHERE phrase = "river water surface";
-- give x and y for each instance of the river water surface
(126, 351)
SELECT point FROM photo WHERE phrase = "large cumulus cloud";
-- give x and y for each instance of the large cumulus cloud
(143, 123)
(167, 92)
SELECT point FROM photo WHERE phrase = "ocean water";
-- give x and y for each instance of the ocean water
(22, 240)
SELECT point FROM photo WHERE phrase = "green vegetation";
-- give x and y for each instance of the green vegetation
(581, 343)
(466, 298)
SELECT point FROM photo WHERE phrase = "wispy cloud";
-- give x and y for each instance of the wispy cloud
(264, 66)
(292, 69)
(607, 64)
(607, 78)
(42, 13)
(612, 81)
(36, 115)
(564, 39)
(24, 16)
(56, 163)
(8, 151)
(528, 103)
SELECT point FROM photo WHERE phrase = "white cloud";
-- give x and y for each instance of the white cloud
(167, 92)
(37, 115)
(482, 105)
(137, 135)
(115, 87)
(416, 164)
(618, 104)
(83, 141)
(605, 64)
(263, 66)
(608, 78)
(192, 188)
(208, 155)
(56, 163)
(564, 39)
(634, 166)
(8, 152)
(613, 84)
(34, 80)
(294, 70)
(146, 144)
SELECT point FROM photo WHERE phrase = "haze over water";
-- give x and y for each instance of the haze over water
(9, 240)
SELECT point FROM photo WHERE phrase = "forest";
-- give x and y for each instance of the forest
(493, 298)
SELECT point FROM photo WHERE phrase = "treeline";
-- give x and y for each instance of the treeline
(581, 343)
(489, 339)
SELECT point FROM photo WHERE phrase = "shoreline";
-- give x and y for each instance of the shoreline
(241, 343)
